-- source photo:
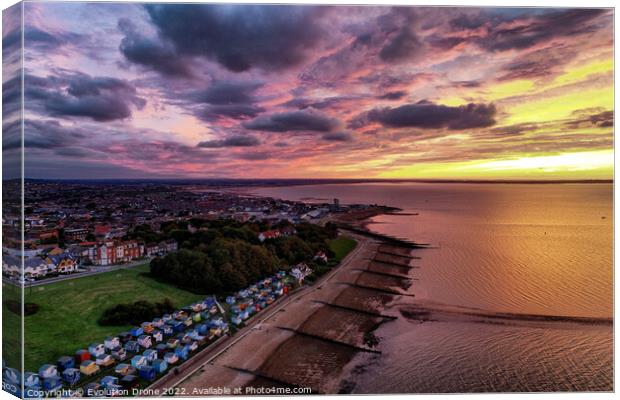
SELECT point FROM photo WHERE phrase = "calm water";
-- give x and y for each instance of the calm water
(523, 249)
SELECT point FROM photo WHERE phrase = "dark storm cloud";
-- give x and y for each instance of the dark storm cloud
(305, 120)
(233, 141)
(403, 42)
(213, 113)
(521, 32)
(319, 104)
(45, 134)
(428, 115)
(396, 95)
(237, 37)
(153, 53)
(234, 100)
(229, 93)
(338, 137)
(80, 95)
(537, 64)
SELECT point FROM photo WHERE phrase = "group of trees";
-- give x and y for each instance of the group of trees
(224, 256)
(135, 313)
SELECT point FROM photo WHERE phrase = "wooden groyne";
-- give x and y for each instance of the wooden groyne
(376, 289)
(398, 255)
(391, 263)
(406, 278)
(393, 241)
(356, 310)
(328, 340)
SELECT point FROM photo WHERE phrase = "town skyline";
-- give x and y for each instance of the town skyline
(124, 91)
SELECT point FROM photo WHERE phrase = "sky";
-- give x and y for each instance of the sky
(259, 91)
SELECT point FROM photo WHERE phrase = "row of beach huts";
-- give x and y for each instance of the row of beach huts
(146, 352)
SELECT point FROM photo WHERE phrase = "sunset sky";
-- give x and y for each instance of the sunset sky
(203, 91)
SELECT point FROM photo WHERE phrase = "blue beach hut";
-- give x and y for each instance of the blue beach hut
(71, 375)
(52, 383)
(65, 362)
(147, 373)
(160, 366)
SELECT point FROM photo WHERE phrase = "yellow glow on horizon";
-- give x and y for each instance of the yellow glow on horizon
(577, 165)
(548, 109)
(509, 89)
(581, 73)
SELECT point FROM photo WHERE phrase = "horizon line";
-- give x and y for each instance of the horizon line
(319, 180)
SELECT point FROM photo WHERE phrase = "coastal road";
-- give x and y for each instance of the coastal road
(207, 355)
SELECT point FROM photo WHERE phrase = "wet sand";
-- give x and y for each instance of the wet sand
(311, 339)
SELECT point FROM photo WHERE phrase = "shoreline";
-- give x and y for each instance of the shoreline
(312, 338)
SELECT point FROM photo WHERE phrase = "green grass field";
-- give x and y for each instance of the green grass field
(69, 310)
(341, 246)
(11, 327)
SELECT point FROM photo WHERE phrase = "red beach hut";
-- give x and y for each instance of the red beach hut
(81, 356)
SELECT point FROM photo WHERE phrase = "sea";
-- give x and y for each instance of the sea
(516, 285)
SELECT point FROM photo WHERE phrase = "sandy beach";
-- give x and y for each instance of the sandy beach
(310, 338)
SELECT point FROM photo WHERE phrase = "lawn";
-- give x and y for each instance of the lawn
(341, 246)
(11, 327)
(69, 310)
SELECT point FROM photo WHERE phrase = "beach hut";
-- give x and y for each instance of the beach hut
(172, 343)
(52, 383)
(92, 389)
(96, 349)
(108, 381)
(159, 366)
(136, 331)
(187, 322)
(148, 373)
(171, 358)
(235, 319)
(129, 382)
(202, 329)
(167, 330)
(158, 322)
(145, 341)
(158, 336)
(104, 360)
(11, 382)
(65, 362)
(193, 346)
(71, 376)
(89, 367)
(138, 362)
(47, 371)
(147, 327)
(166, 318)
(196, 317)
(183, 338)
(230, 300)
(150, 355)
(12, 376)
(178, 326)
(161, 350)
(119, 354)
(124, 369)
(31, 380)
(132, 346)
(111, 342)
(182, 352)
(125, 337)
